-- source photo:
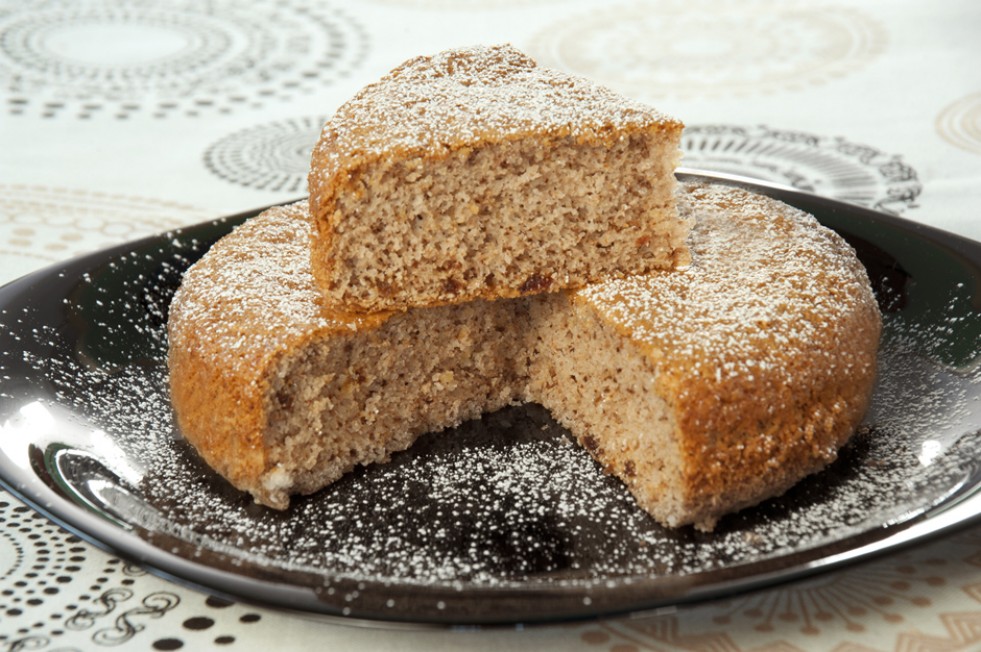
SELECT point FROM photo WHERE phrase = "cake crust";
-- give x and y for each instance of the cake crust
(746, 371)
(475, 173)
(764, 348)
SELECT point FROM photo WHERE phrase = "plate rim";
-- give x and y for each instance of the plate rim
(941, 520)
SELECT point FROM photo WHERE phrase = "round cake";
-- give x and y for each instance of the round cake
(705, 389)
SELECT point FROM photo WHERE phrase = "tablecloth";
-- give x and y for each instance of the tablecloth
(121, 119)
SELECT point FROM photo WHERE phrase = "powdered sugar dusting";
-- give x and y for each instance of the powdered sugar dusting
(459, 98)
(504, 502)
(765, 285)
(259, 295)
(750, 306)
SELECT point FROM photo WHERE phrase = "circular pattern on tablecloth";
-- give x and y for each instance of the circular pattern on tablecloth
(54, 588)
(39, 574)
(713, 48)
(959, 123)
(859, 608)
(40, 224)
(274, 156)
(101, 58)
(831, 166)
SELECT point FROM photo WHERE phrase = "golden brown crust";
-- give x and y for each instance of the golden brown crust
(765, 347)
(247, 303)
(762, 351)
(229, 440)
(430, 106)
(431, 109)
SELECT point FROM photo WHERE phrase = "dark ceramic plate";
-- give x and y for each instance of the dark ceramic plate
(501, 520)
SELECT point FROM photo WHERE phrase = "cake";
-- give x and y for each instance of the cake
(705, 389)
(475, 173)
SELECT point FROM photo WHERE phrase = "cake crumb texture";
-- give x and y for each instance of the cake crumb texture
(475, 173)
(705, 390)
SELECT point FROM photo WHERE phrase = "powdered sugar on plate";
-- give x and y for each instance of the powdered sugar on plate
(506, 502)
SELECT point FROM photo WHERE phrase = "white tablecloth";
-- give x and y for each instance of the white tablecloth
(119, 119)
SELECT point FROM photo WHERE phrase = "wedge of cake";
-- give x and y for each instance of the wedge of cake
(705, 390)
(476, 173)
(709, 389)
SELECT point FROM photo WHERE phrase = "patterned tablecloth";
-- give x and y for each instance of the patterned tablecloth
(119, 119)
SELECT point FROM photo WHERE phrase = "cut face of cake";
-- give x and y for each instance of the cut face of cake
(476, 173)
(704, 390)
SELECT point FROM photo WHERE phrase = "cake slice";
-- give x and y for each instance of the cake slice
(476, 173)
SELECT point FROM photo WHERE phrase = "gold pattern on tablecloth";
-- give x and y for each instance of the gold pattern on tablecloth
(960, 123)
(40, 223)
(712, 48)
(879, 605)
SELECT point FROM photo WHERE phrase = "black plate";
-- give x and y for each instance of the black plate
(501, 521)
